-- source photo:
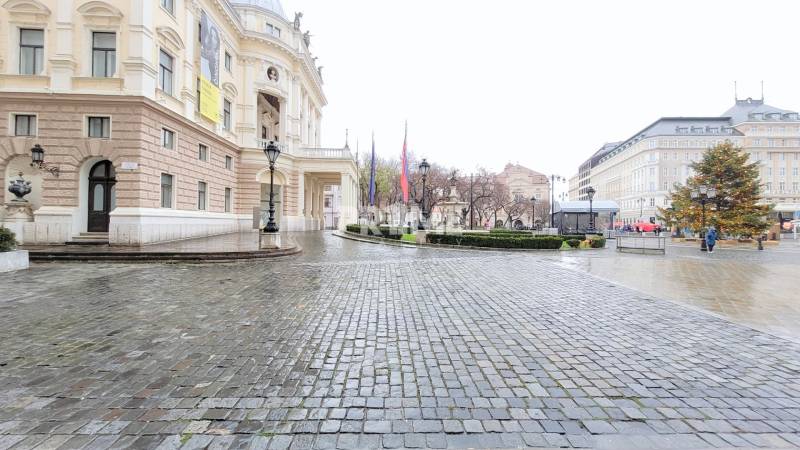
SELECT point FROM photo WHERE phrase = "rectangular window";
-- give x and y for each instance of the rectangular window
(201, 195)
(781, 186)
(24, 125)
(794, 171)
(228, 61)
(104, 54)
(166, 190)
(228, 199)
(202, 152)
(197, 94)
(167, 138)
(795, 187)
(228, 162)
(165, 63)
(31, 51)
(168, 5)
(100, 127)
(782, 171)
(652, 202)
(226, 114)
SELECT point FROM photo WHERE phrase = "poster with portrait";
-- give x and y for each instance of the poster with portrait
(209, 68)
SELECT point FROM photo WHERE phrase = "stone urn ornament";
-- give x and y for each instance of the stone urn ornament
(20, 188)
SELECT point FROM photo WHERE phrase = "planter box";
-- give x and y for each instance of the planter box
(11, 261)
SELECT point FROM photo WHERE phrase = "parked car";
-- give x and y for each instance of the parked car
(646, 227)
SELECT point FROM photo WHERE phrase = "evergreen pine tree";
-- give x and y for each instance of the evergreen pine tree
(735, 209)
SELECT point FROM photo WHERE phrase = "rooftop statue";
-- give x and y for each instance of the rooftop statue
(297, 17)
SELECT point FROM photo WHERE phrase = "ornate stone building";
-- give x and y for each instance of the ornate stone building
(156, 112)
(640, 172)
(524, 183)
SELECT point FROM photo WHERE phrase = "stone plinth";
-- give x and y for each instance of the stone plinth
(11, 261)
(269, 240)
(18, 211)
(422, 236)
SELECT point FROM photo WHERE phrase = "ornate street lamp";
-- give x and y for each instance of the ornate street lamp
(590, 193)
(533, 212)
(553, 179)
(273, 152)
(702, 195)
(424, 167)
(37, 160)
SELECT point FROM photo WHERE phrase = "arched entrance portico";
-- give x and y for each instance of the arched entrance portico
(102, 196)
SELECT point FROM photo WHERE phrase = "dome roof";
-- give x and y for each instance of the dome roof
(269, 5)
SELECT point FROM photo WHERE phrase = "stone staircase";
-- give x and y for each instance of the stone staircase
(91, 238)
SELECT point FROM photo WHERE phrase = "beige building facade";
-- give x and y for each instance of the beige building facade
(640, 172)
(524, 183)
(110, 90)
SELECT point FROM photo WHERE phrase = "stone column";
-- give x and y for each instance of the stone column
(189, 78)
(63, 62)
(140, 68)
(251, 121)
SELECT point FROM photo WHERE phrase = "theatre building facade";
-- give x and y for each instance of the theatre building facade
(148, 120)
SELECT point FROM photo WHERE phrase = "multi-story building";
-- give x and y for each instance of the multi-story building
(579, 182)
(156, 114)
(523, 183)
(640, 172)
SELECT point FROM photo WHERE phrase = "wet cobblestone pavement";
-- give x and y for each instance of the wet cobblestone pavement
(355, 345)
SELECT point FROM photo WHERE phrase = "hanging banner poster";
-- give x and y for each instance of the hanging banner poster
(209, 68)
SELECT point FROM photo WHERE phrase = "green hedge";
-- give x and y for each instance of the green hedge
(384, 231)
(597, 241)
(504, 231)
(472, 240)
(8, 240)
(574, 243)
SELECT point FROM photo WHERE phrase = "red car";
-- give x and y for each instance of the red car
(647, 227)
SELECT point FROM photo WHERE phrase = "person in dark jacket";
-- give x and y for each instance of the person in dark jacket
(711, 239)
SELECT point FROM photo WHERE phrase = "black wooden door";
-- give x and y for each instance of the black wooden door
(102, 179)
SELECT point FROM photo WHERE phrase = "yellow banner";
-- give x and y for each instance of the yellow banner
(209, 100)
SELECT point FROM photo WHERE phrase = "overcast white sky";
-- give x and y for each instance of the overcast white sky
(545, 84)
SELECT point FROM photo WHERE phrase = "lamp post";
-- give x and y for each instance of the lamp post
(424, 167)
(553, 179)
(272, 151)
(533, 212)
(590, 193)
(703, 194)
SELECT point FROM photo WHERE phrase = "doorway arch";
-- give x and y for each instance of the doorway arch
(102, 196)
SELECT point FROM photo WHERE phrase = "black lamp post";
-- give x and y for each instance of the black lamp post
(37, 160)
(553, 179)
(590, 193)
(702, 195)
(533, 212)
(272, 151)
(424, 167)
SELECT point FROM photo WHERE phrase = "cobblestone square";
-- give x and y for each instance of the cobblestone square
(355, 345)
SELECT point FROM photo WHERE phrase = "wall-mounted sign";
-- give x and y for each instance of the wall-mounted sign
(129, 165)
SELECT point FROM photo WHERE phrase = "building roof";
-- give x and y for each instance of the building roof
(274, 6)
(750, 109)
(582, 206)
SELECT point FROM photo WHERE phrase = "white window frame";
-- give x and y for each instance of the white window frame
(207, 152)
(164, 131)
(92, 50)
(162, 4)
(204, 205)
(227, 159)
(172, 197)
(227, 61)
(171, 71)
(228, 200)
(227, 122)
(18, 38)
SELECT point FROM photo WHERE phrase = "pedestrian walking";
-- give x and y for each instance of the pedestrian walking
(711, 239)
